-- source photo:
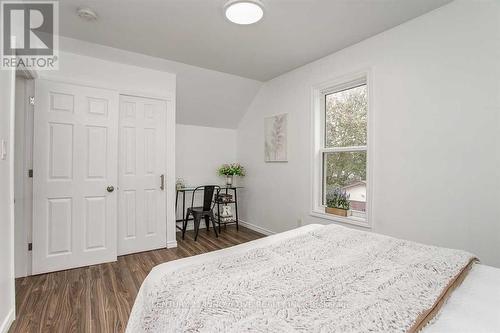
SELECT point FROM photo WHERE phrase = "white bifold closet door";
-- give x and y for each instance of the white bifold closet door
(75, 160)
(142, 163)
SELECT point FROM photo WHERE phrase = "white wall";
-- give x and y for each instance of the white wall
(199, 153)
(436, 143)
(7, 296)
(201, 150)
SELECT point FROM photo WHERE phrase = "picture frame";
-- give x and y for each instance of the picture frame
(276, 138)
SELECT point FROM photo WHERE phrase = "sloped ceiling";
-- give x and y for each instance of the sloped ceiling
(204, 97)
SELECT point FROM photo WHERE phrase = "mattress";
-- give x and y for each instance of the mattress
(472, 307)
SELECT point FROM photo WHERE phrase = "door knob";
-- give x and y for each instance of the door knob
(110, 189)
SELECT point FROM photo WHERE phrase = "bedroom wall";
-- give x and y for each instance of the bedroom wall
(436, 144)
(7, 297)
(200, 151)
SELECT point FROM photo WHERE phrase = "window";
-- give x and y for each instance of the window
(340, 117)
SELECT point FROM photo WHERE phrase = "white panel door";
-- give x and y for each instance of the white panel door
(142, 162)
(75, 159)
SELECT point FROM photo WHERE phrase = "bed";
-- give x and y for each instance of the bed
(322, 279)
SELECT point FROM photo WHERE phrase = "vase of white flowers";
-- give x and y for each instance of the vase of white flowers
(179, 184)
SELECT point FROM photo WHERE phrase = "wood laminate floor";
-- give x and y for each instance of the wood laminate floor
(99, 298)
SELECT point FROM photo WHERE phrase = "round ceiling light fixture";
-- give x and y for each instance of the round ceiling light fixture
(244, 12)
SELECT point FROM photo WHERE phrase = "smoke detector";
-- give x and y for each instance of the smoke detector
(86, 14)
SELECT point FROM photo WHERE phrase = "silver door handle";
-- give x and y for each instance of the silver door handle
(110, 189)
(162, 182)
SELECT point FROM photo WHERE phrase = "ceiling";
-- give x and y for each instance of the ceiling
(195, 32)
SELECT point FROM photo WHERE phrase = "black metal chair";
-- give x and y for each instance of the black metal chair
(206, 211)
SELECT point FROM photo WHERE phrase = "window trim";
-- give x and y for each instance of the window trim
(318, 93)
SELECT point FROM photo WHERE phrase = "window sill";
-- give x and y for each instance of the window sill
(357, 221)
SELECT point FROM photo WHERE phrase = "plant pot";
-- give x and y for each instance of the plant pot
(337, 211)
(229, 180)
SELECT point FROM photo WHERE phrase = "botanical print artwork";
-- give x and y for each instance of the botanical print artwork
(275, 131)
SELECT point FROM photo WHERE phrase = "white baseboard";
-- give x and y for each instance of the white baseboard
(251, 226)
(257, 228)
(171, 244)
(7, 322)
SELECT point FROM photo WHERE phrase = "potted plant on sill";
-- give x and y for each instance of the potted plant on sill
(231, 170)
(337, 203)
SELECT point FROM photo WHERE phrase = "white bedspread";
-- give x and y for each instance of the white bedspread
(217, 291)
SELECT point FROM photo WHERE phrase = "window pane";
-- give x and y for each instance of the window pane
(346, 117)
(347, 171)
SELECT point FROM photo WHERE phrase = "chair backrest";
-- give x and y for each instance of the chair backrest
(208, 194)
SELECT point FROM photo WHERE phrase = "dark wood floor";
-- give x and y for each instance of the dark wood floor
(99, 298)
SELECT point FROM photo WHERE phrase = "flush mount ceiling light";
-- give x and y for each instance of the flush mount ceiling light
(244, 11)
(86, 14)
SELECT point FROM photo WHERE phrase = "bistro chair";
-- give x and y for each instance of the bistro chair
(206, 211)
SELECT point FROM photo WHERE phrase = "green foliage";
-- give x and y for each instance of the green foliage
(338, 199)
(346, 118)
(344, 168)
(346, 126)
(233, 169)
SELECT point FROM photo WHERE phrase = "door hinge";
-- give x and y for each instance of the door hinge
(30, 173)
(32, 100)
(30, 246)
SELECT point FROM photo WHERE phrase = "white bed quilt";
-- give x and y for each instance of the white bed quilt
(329, 279)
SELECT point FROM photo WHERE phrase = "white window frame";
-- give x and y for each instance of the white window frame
(318, 94)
